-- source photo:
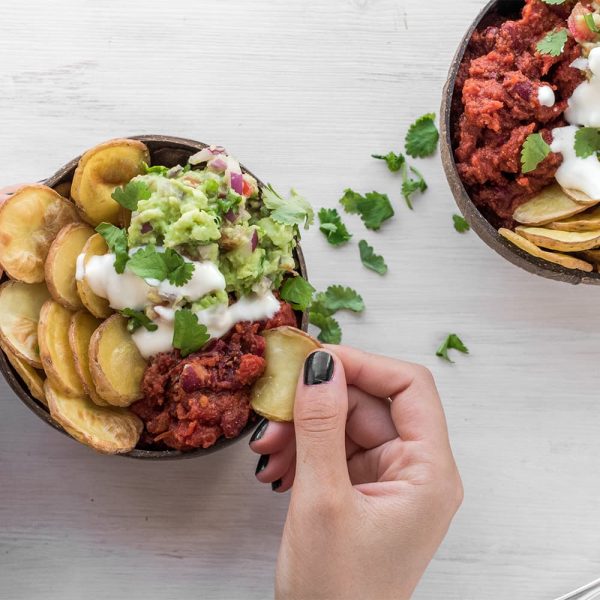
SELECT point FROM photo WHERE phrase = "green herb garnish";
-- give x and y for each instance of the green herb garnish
(137, 319)
(534, 151)
(411, 186)
(591, 24)
(157, 169)
(460, 224)
(587, 141)
(422, 137)
(331, 332)
(374, 208)
(129, 195)
(298, 292)
(553, 43)
(371, 260)
(337, 297)
(179, 271)
(394, 161)
(452, 342)
(116, 240)
(296, 210)
(188, 335)
(350, 201)
(551, 2)
(148, 263)
(333, 228)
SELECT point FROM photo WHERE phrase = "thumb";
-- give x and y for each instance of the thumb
(320, 412)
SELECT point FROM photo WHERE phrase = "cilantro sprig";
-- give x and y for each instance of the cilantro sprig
(422, 137)
(460, 224)
(129, 195)
(452, 342)
(587, 141)
(157, 169)
(374, 208)
(552, 2)
(371, 260)
(298, 292)
(553, 43)
(295, 210)
(188, 335)
(394, 161)
(411, 185)
(534, 151)
(331, 332)
(137, 319)
(331, 225)
(148, 263)
(337, 297)
(116, 240)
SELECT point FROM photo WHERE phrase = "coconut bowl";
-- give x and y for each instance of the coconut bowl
(168, 151)
(492, 12)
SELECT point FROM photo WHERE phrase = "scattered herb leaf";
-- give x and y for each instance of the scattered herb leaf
(422, 137)
(460, 224)
(371, 260)
(411, 186)
(298, 292)
(394, 161)
(333, 228)
(553, 43)
(534, 151)
(137, 319)
(350, 201)
(452, 342)
(129, 195)
(374, 209)
(148, 263)
(554, 1)
(296, 210)
(331, 332)
(337, 297)
(587, 141)
(188, 334)
(116, 240)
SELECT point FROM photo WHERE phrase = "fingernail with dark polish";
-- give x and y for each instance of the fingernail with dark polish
(318, 368)
(276, 485)
(259, 431)
(263, 461)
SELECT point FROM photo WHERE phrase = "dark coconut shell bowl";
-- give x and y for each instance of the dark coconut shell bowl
(493, 11)
(168, 151)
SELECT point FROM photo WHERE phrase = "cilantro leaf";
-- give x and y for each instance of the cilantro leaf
(554, 1)
(298, 292)
(158, 169)
(116, 240)
(331, 332)
(410, 185)
(333, 228)
(188, 334)
(553, 43)
(460, 224)
(587, 141)
(451, 342)
(591, 24)
(129, 195)
(374, 209)
(337, 297)
(350, 201)
(148, 263)
(394, 161)
(137, 319)
(534, 151)
(371, 260)
(230, 202)
(179, 271)
(296, 210)
(422, 137)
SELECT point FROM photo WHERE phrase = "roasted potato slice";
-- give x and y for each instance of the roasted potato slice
(64, 189)
(274, 393)
(20, 305)
(32, 378)
(61, 264)
(29, 220)
(106, 429)
(563, 241)
(586, 221)
(99, 307)
(81, 329)
(549, 205)
(581, 197)
(116, 365)
(565, 260)
(100, 171)
(55, 351)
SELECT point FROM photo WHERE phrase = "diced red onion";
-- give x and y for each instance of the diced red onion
(204, 155)
(237, 183)
(254, 240)
(146, 228)
(230, 216)
(217, 164)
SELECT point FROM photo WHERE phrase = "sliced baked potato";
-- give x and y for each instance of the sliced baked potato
(64, 189)
(565, 260)
(274, 393)
(20, 305)
(563, 241)
(102, 169)
(55, 351)
(32, 378)
(81, 329)
(585, 221)
(116, 365)
(30, 219)
(61, 264)
(99, 307)
(105, 429)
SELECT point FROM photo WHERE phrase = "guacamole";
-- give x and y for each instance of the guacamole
(211, 211)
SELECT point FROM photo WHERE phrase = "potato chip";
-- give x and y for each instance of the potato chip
(585, 221)
(580, 197)
(563, 241)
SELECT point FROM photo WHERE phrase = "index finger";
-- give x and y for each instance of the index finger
(416, 408)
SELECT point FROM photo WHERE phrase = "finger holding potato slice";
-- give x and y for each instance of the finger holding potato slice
(30, 219)
(116, 365)
(569, 262)
(99, 307)
(31, 377)
(105, 429)
(81, 330)
(20, 306)
(61, 264)
(100, 171)
(55, 351)
(285, 352)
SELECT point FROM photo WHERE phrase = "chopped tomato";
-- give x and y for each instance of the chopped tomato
(246, 189)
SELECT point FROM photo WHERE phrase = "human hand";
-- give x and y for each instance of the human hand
(375, 482)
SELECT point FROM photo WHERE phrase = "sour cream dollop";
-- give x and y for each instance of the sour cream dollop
(584, 104)
(546, 96)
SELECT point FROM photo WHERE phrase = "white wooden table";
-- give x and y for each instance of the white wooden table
(302, 92)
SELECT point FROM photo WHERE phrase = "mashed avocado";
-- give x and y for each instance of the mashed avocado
(215, 212)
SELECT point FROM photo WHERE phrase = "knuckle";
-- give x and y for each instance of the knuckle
(318, 414)
(422, 373)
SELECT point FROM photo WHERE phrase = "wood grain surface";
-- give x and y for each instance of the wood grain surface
(302, 92)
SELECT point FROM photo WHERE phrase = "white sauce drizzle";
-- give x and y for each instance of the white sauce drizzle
(584, 104)
(546, 96)
(150, 343)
